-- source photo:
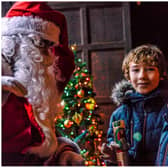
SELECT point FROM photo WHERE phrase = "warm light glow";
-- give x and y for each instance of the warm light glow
(138, 3)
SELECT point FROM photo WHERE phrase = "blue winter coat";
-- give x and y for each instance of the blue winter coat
(143, 116)
(162, 156)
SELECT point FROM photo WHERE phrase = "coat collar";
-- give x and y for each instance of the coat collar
(124, 92)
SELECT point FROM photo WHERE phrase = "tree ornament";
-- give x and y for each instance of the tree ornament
(77, 75)
(77, 118)
(68, 123)
(83, 74)
(76, 86)
(90, 105)
(92, 129)
(80, 93)
(66, 107)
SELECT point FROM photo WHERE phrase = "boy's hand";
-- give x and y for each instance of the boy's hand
(109, 152)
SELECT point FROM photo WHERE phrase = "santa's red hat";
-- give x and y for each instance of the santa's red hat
(35, 17)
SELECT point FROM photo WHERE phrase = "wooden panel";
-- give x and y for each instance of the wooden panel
(105, 112)
(106, 70)
(105, 24)
(5, 7)
(74, 27)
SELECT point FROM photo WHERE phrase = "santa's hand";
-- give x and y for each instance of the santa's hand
(12, 85)
(108, 152)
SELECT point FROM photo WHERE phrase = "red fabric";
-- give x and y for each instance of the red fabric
(37, 134)
(19, 128)
(64, 66)
(16, 127)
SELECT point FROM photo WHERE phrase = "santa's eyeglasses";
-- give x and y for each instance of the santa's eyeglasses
(43, 43)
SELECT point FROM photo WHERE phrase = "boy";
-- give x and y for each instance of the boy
(143, 102)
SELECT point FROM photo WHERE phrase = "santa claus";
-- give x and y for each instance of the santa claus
(36, 66)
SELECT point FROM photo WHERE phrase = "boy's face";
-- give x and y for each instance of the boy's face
(144, 78)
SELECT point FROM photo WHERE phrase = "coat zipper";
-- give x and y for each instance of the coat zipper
(144, 130)
(131, 132)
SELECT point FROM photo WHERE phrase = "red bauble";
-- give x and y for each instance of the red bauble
(68, 123)
(80, 93)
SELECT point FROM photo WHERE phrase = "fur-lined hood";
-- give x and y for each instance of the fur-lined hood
(124, 91)
(120, 91)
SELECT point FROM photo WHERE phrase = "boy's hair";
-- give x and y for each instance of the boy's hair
(147, 54)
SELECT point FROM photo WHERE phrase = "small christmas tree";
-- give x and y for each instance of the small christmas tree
(81, 121)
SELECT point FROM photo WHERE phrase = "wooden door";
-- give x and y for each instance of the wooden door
(101, 31)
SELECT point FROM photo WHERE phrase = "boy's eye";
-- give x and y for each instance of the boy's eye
(150, 69)
(135, 70)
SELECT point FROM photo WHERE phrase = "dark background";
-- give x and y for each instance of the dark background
(149, 24)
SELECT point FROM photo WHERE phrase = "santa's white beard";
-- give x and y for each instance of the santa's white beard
(32, 70)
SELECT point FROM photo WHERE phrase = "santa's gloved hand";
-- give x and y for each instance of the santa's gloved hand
(10, 84)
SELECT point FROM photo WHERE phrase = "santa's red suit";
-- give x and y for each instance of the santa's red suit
(19, 127)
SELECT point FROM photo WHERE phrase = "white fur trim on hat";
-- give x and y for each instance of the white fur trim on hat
(28, 24)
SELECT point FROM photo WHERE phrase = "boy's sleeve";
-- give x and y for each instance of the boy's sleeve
(118, 114)
(162, 155)
(110, 136)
